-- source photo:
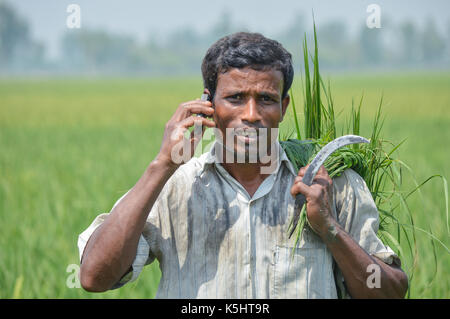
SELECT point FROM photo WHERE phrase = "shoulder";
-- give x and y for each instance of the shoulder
(350, 187)
(185, 175)
(349, 181)
(191, 169)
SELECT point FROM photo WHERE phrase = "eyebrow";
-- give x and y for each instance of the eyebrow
(271, 94)
(237, 91)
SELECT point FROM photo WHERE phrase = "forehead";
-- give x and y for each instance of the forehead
(248, 79)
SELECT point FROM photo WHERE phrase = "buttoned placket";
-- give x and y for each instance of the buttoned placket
(262, 191)
(243, 198)
(249, 218)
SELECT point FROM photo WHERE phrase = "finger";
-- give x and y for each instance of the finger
(184, 109)
(199, 109)
(298, 179)
(191, 120)
(300, 188)
(323, 173)
(302, 170)
(190, 104)
(321, 180)
(197, 101)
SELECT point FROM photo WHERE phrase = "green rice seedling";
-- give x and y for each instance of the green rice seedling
(374, 162)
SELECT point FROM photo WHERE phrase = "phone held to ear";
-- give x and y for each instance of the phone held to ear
(205, 97)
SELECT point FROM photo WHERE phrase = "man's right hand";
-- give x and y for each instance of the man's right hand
(111, 249)
(174, 140)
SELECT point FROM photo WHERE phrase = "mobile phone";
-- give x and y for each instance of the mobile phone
(205, 97)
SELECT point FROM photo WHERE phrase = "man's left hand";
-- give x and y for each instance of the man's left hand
(319, 198)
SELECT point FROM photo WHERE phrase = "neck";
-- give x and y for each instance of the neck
(250, 175)
(247, 174)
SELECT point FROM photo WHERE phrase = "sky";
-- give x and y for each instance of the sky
(148, 18)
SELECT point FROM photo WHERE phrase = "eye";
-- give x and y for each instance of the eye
(267, 98)
(235, 97)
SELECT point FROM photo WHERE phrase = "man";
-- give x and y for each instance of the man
(219, 227)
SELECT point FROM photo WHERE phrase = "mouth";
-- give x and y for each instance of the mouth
(247, 135)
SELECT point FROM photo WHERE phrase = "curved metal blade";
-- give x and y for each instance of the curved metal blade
(326, 151)
(314, 166)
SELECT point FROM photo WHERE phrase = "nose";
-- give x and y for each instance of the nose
(251, 112)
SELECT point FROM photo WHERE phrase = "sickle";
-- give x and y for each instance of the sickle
(318, 161)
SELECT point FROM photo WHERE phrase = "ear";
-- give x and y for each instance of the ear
(206, 91)
(284, 105)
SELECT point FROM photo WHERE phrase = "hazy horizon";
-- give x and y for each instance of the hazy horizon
(149, 19)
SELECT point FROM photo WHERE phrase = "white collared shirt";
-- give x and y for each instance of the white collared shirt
(213, 240)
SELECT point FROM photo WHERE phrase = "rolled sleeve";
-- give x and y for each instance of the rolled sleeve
(83, 238)
(143, 254)
(142, 258)
(358, 214)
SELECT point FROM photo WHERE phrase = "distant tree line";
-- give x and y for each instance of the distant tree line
(18, 51)
(90, 51)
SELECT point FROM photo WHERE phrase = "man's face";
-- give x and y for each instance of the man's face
(247, 100)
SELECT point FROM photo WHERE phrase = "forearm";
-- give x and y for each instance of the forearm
(112, 247)
(354, 264)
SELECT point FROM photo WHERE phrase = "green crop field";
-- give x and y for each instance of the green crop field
(69, 148)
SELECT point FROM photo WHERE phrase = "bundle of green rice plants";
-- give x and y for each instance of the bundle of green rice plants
(375, 162)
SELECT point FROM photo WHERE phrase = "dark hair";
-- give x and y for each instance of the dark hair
(244, 49)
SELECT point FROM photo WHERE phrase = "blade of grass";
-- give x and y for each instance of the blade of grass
(294, 109)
